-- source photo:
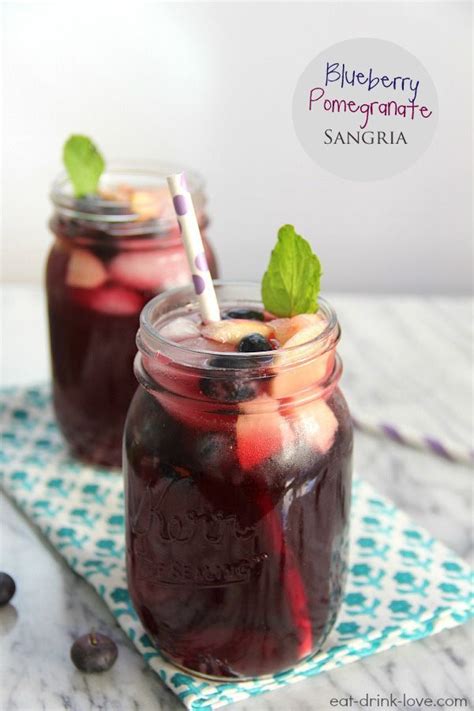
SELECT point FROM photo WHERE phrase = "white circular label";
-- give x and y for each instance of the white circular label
(365, 109)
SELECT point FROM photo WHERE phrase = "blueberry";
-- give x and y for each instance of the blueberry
(249, 314)
(228, 390)
(296, 466)
(254, 343)
(227, 362)
(7, 588)
(215, 455)
(94, 652)
(89, 204)
(231, 389)
(105, 248)
(94, 205)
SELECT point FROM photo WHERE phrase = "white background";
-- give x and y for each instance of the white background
(211, 85)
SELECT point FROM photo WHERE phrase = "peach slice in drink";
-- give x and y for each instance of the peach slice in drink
(151, 270)
(261, 431)
(316, 424)
(290, 576)
(291, 376)
(286, 328)
(113, 300)
(232, 331)
(149, 204)
(119, 193)
(85, 270)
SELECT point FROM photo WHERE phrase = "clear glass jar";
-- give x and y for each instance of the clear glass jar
(238, 487)
(109, 257)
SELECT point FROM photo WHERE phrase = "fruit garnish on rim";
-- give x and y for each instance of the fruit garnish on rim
(234, 331)
(290, 290)
(85, 166)
(290, 317)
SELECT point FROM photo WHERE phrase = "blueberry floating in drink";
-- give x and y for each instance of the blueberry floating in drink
(254, 343)
(248, 314)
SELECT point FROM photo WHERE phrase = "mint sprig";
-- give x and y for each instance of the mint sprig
(290, 286)
(84, 164)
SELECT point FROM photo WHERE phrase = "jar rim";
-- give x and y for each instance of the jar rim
(150, 340)
(111, 211)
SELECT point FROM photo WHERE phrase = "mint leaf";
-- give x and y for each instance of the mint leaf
(290, 285)
(84, 164)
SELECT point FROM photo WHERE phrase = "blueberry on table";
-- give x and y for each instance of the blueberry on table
(248, 314)
(7, 588)
(94, 652)
(254, 343)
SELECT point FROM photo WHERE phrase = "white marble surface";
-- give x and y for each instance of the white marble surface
(408, 357)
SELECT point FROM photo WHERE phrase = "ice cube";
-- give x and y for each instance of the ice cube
(180, 329)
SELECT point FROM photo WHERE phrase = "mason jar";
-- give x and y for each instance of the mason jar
(237, 472)
(111, 254)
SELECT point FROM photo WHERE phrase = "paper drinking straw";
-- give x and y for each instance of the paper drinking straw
(194, 247)
(406, 437)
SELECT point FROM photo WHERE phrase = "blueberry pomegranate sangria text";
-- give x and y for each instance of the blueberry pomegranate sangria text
(117, 245)
(237, 463)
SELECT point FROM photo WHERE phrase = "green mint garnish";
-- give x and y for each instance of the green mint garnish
(290, 286)
(84, 164)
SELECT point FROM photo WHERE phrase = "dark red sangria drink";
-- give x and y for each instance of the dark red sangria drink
(113, 251)
(237, 462)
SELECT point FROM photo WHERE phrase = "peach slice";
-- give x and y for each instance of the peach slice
(317, 424)
(149, 204)
(283, 329)
(291, 376)
(113, 300)
(286, 328)
(119, 193)
(151, 270)
(261, 431)
(288, 383)
(305, 334)
(84, 270)
(233, 330)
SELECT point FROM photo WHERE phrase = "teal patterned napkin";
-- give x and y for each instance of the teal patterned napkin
(402, 585)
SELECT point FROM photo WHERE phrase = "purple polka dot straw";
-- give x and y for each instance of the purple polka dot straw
(194, 247)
